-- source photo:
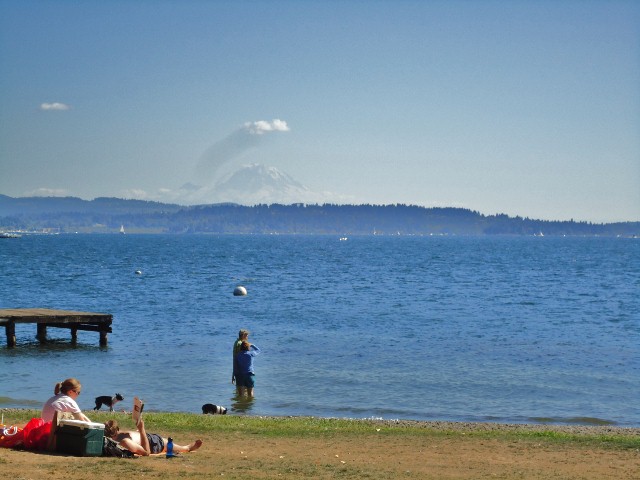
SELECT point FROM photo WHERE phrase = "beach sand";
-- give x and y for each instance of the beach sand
(428, 450)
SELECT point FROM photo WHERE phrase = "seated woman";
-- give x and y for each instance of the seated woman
(141, 442)
(64, 401)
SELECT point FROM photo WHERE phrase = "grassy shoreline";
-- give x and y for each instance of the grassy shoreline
(240, 447)
(294, 426)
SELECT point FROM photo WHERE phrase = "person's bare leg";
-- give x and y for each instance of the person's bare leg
(250, 392)
(186, 448)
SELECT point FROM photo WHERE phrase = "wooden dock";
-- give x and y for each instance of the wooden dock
(44, 317)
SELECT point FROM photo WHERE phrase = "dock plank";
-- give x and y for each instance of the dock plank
(47, 317)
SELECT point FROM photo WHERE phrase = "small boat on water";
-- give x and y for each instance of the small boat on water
(122, 232)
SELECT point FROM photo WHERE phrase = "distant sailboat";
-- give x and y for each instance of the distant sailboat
(122, 229)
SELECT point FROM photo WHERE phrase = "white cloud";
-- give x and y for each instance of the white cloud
(48, 192)
(263, 126)
(54, 106)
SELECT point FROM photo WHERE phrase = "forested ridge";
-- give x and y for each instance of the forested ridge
(107, 215)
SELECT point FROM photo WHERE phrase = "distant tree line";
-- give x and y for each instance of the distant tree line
(106, 215)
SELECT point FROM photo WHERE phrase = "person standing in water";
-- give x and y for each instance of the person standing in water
(243, 336)
(243, 366)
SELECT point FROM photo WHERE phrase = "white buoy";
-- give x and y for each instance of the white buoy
(138, 272)
(239, 291)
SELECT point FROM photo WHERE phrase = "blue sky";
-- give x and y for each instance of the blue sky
(527, 108)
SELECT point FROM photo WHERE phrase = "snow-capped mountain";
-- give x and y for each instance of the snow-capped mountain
(254, 184)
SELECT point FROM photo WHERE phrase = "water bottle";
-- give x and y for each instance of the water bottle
(170, 448)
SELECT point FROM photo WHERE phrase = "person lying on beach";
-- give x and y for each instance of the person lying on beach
(143, 443)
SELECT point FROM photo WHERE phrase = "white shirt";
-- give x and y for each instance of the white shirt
(59, 403)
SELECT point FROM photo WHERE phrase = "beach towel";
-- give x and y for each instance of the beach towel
(36, 434)
(11, 436)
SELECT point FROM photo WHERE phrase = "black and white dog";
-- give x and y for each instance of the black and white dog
(108, 401)
(213, 409)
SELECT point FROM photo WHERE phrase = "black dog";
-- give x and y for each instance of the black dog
(108, 401)
(213, 409)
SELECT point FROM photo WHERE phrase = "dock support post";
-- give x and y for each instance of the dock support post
(10, 328)
(74, 336)
(103, 338)
(42, 333)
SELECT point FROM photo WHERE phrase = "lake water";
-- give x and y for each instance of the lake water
(502, 329)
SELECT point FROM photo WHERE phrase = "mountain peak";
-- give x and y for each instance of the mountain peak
(256, 177)
(254, 184)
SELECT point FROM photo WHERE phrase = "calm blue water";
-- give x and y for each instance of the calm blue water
(427, 328)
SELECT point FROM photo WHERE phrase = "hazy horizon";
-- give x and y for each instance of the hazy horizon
(528, 108)
(193, 204)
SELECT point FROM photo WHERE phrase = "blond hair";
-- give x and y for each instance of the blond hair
(67, 385)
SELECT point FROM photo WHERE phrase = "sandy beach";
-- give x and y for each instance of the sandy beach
(243, 447)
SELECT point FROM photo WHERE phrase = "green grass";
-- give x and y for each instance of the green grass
(294, 427)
